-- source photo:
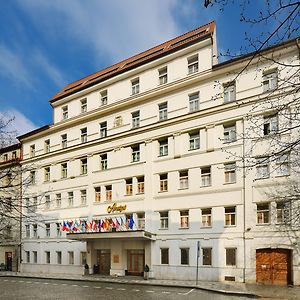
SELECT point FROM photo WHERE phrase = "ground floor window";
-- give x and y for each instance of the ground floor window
(47, 253)
(206, 256)
(164, 256)
(34, 257)
(83, 259)
(184, 256)
(230, 256)
(58, 255)
(71, 257)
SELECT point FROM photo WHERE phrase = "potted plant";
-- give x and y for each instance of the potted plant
(146, 272)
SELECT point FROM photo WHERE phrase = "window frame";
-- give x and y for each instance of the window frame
(270, 80)
(229, 133)
(206, 217)
(135, 118)
(184, 256)
(263, 213)
(163, 147)
(103, 129)
(230, 258)
(163, 182)
(194, 102)
(206, 256)
(229, 92)
(184, 219)
(163, 75)
(230, 173)
(164, 256)
(194, 140)
(103, 98)
(83, 105)
(230, 216)
(135, 86)
(205, 176)
(163, 111)
(193, 64)
(164, 220)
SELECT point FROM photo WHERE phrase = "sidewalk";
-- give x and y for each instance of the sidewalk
(228, 288)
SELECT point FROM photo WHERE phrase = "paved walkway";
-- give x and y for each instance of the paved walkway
(229, 288)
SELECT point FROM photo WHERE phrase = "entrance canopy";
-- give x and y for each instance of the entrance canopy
(130, 234)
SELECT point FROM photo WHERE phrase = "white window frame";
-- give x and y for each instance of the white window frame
(206, 217)
(83, 197)
(58, 200)
(70, 199)
(283, 212)
(83, 166)
(135, 153)
(283, 165)
(64, 141)
(129, 187)
(230, 173)
(103, 161)
(163, 111)
(194, 140)
(83, 105)
(65, 112)
(193, 64)
(64, 170)
(229, 133)
(270, 125)
(206, 176)
(83, 135)
(262, 213)
(47, 146)
(229, 91)
(163, 75)
(135, 86)
(164, 219)
(164, 147)
(270, 80)
(184, 219)
(262, 167)
(194, 101)
(141, 221)
(135, 119)
(163, 182)
(141, 185)
(103, 129)
(230, 216)
(184, 179)
(47, 174)
(103, 98)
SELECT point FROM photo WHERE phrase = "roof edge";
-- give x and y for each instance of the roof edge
(33, 132)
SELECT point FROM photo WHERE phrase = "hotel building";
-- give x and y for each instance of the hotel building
(143, 164)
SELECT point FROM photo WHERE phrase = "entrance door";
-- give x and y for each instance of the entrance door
(135, 262)
(273, 266)
(103, 261)
(8, 261)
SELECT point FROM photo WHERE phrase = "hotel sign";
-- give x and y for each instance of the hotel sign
(116, 208)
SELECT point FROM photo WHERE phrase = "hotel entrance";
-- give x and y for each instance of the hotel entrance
(135, 262)
(103, 261)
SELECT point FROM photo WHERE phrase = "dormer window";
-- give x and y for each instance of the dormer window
(103, 97)
(135, 86)
(83, 105)
(193, 64)
(163, 75)
(64, 112)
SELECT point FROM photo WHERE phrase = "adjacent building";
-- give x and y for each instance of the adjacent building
(10, 206)
(144, 164)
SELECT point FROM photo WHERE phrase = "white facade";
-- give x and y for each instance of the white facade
(166, 153)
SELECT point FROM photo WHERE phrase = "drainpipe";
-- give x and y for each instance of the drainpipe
(244, 201)
(20, 224)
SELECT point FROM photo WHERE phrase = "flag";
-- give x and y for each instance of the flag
(131, 222)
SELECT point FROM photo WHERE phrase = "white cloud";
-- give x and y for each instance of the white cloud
(19, 124)
(12, 67)
(116, 28)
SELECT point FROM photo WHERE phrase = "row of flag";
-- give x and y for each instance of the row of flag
(104, 225)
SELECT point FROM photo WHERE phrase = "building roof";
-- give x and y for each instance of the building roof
(163, 49)
(25, 135)
(10, 148)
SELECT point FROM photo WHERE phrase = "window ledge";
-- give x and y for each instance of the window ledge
(163, 228)
(163, 191)
(263, 224)
(229, 226)
(205, 186)
(226, 183)
(204, 227)
(184, 188)
(184, 228)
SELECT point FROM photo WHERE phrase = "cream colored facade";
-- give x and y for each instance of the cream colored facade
(168, 144)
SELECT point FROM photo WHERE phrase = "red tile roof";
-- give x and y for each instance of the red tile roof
(163, 49)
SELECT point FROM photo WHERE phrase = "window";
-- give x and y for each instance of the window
(34, 257)
(206, 176)
(47, 146)
(47, 174)
(32, 151)
(58, 231)
(97, 194)
(184, 255)
(164, 256)
(108, 189)
(270, 124)
(83, 135)
(118, 121)
(283, 212)
(206, 256)
(58, 200)
(229, 92)
(163, 75)
(194, 140)
(230, 256)
(64, 110)
(163, 111)
(206, 217)
(282, 165)
(27, 231)
(5, 157)
(83, 258)
(184, 219)
(70, 198)
(263, 213)
(14, 155)
(83, 197)
(48, 230)
(163, 181)
(230, 216)
(135, 153)
(163, 147)
(141, 185)
(229, 133)
(32, 177)
(164, 220)
(71, 257)
(83, 166)
(270, 79)
(230, 173)
(47, 253)
(103, 98)
(47, 202)
(135, 86)
(141, 220)
(58, 257)
(103, 161)
(64, 142)
(262, 167)
(34, 227)
(129, 187)
(83, 105)
(194, 102)
(103, 129)
(184, 179)
(193, 64)
(135, 119)
(27, 255)
(64, 170)
(35, 204)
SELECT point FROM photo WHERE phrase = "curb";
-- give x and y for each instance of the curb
(146, 283)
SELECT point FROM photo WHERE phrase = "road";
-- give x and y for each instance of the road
(13, 288)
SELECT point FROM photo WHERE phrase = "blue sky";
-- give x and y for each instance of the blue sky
(45, 45)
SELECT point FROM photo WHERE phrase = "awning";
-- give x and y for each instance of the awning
(130, 234)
